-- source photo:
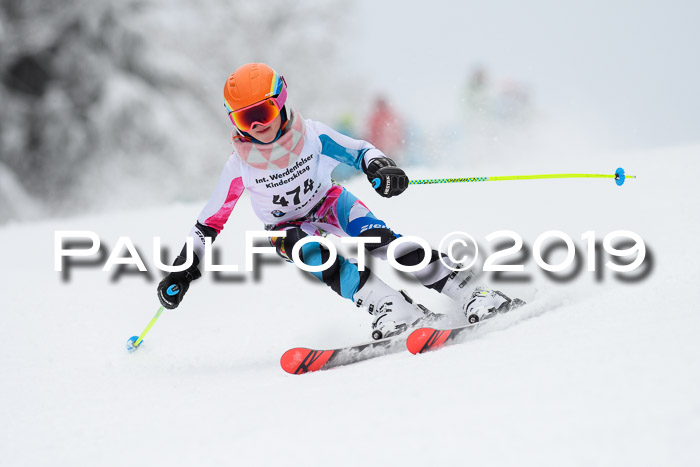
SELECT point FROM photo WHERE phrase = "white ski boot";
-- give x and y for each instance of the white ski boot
(477, 302)
(395, 311)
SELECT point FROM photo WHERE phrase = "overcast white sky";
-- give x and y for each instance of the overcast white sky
(628, 68)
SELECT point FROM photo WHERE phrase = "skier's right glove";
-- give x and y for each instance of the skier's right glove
(172, 289)
(387, 179)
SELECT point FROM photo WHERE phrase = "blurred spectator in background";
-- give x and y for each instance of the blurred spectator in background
(509, 102)
(498, 114)
(385, 129)
(477, 92)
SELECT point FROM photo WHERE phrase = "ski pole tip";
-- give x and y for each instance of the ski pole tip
(620, 176)
(131, 344)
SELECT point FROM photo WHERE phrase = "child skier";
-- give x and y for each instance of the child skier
(285, 162)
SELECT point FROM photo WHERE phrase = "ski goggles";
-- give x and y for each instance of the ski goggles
(263, 112)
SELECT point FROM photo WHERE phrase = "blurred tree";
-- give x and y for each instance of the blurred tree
(110, 104)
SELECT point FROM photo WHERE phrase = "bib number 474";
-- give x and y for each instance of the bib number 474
(282, 200)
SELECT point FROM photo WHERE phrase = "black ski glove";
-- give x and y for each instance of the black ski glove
(172, 289)
(387, 179)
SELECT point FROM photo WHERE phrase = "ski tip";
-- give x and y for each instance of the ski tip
(425, 339)
(130, 344)
(301, 360)
(620, 176)
(291, 359)
(417, 339)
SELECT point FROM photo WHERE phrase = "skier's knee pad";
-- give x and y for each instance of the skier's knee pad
(311, 253)
(372, 227)
(284, 245)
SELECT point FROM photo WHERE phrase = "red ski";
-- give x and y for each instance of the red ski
(301, 360)
(425, 339)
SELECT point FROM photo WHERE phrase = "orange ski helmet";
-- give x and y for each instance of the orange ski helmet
(254, 93)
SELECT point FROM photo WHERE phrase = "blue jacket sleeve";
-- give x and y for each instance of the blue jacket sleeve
(353, 152)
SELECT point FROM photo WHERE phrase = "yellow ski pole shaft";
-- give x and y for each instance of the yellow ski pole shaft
(134, 341)
(619, 177)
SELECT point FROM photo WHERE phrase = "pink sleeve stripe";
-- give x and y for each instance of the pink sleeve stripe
(218, 220)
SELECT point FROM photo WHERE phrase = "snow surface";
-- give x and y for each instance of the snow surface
(600, 373)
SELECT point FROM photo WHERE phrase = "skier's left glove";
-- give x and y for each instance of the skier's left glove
(386, 179)
(172, 289)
